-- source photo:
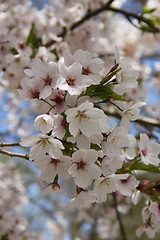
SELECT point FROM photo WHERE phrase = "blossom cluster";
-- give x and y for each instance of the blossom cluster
(151, 220)
(71, 89)
(76, 140)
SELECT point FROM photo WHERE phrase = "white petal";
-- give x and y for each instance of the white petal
(88, 127)
(82, 179)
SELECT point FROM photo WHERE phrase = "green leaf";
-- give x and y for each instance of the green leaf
(109, 76)
(147, 10)
(155, 20)
(105, 93)
(13, 51)
(54, 51)
(32, 39)
(95, 146)
(143, 167)
(4, 236)
(67, 133)
(146, 28)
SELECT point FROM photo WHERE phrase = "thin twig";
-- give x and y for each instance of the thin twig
(106, 7)
(5, 144)
(122, 230)
(13, 154)
(91, 14)
(144, 121)
(140, 18)
(86, 17)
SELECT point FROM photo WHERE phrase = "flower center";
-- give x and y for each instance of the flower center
(47, 80)
(124, 77)
(43, 142)
(86, 70)
(144, 152)
(81, 115)
(54, 161)
(70, 81)
(34, 93)
(81, 165)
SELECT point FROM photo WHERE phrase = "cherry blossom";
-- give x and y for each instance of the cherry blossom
(83, 200)
(90, 66)
(84, 118)
(45, 73)
(71, 79)
(44, 123)
(149, 150)
(116, 141)
(83, 168)
(60, 59)
(42, 144)
(53, 166)
(126, 186)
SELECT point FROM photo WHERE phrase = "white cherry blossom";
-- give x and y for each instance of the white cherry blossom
(130, 112)
(110, 164)
(147, 229)
(52, 166)
(71, 79)
(106, 185)
(46, 73)
(53, 187)
(83, 200)
(42, 144)
(155, 209)
(126, 186)
(84, 118)
(84, 169)
(116, 141)
(149, 150)
(127, 76)
(44, 123)
(90, 66)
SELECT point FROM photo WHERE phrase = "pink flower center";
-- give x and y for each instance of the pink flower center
(54, 161)
(48, 80)
(144, 152)
(85, 71)
(70, 81)
(81, 165)
(124, 181)
(58, 99)
(34, 93)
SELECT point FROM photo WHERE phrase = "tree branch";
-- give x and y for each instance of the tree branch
(140, 18)
(5, 144)
(106, 7)
(123, 234)
(86, 17)
(91, 14)
(12, 154)
(144, 121)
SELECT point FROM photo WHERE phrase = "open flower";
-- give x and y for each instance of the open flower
(84, 169)
(84, 118)
(116, 141)
(127, 76)
(149, 150)
(71, 79)
(90, 66)
(83, 200)
(126, 186)
(42, 144)
(52, 166)
(46, 73)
